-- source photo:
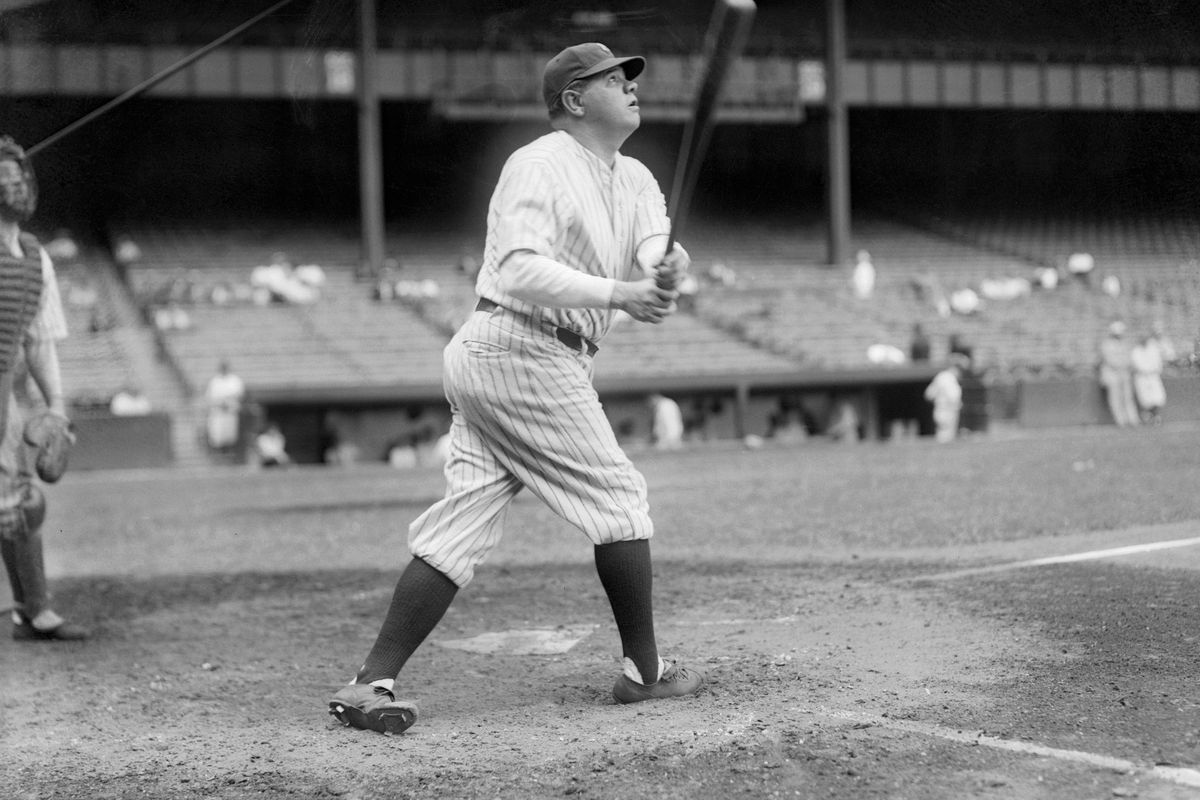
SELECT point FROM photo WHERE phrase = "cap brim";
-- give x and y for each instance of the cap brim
(633, 66)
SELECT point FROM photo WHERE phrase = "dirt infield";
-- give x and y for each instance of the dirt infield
(227, 607)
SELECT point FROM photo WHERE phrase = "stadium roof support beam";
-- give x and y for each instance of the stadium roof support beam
(370, 158)
(838, 157)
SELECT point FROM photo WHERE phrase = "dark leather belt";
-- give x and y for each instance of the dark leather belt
(568, 337)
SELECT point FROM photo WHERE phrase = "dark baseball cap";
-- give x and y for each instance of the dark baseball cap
(584, 61)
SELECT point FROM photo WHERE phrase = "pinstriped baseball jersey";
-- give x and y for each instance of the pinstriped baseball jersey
(525, 412)
(558, 199)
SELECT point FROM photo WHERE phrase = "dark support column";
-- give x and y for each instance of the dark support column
(838, 160)
(370, 160)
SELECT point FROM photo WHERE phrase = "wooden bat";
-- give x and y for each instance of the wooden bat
(723, 44)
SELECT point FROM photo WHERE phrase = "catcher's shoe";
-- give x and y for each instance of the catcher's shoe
(675, 681)
(371, 707)
(23, 631)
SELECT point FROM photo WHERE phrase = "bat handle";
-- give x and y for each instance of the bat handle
(662, 279)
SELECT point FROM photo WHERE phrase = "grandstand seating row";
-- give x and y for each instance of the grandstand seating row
(785, 311)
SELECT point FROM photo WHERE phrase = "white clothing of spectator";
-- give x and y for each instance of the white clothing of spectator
(312, 275)
(1080, 266)
(863, 276)
(1004, 288)
(62, 247)
(224, 395)
(129, 402)
(945, 393)
(964, 301)
(887, 354)
(666, 427)
(126, 250)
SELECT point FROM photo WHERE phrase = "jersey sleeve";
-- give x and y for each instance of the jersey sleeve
(651, 215)
(50, 322)
(524, 205)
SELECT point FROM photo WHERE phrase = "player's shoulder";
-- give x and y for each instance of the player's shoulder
(545, 149)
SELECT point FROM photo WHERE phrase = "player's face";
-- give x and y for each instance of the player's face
(16, 197)
(611, 100)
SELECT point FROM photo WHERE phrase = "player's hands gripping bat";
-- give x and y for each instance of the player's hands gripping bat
(723, 44)
(52, 436)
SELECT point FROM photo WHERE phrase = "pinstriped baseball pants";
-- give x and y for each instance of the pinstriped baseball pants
(525, 415)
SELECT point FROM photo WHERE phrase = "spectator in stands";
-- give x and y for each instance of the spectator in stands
(468, 266)
(844, 421)
(1045, 278)
(172, 317)
(62, 247)
(311, 275)
(927, 288)
(919, 346)
(129, 401)
(279, 279)
(958, 345)
(886, 355)
(964, 301)
(270, 447)
(666, 422)
(385, 281)
(862, 278)
(1005, 288)
(126, 250)
(1116, 376)
(945, 393)
(719, 274)
(224, 396)
(81, 292)
(33, 324)
(1147, 360)
(1080, 266)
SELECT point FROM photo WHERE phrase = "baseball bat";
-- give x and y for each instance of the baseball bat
(723, 44)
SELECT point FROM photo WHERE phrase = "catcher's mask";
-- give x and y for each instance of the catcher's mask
(18, 184)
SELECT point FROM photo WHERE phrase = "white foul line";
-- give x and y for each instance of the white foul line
(1090, 555)
(1179, 775)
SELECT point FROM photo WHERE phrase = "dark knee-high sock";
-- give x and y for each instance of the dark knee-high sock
(8, 551)
(419, 602)
(625, 572)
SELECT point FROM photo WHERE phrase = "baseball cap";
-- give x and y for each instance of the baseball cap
(583, 61)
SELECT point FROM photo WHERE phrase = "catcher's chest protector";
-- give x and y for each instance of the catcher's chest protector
(20, 291)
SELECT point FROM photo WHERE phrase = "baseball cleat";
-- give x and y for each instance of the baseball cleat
(66, 632)
(676, 681)
(372, 708)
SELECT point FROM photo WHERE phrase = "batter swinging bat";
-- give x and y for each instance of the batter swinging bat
(726, 37)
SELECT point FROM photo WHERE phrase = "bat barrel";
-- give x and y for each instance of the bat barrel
(724, 41)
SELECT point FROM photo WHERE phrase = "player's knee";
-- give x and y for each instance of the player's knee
(26, 517)
(33, 509)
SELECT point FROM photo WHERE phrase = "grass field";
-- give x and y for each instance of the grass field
(827, 590)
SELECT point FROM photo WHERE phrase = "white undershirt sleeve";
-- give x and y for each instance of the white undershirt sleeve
(543, 281)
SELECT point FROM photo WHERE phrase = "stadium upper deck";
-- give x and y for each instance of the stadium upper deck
(1070, 30)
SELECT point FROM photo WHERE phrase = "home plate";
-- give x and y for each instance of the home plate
(533, 642)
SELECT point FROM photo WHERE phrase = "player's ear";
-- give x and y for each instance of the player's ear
(572, 100)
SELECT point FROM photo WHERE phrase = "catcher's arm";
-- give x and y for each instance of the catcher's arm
(42, 357)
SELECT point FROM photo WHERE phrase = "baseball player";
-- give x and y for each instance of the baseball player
(575, 232)
(31, 321)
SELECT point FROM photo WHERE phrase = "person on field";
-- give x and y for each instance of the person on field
(945, 393)
(32, 321)
(576, 231)
(1116, 376)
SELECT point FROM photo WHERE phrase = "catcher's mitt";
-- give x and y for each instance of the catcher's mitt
(52, 435)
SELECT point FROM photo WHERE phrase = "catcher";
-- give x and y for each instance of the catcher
(36, 433)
